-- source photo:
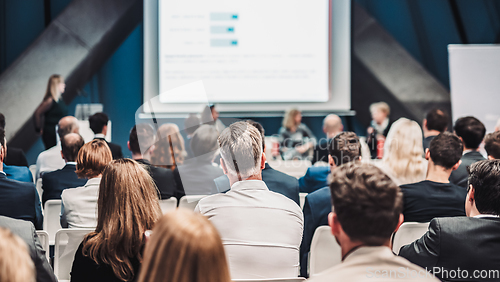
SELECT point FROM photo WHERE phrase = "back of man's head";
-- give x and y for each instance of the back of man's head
(366, 201)
(332, 124)
(446, 150)
(204, 140)
(471, 130)
(2, 121)
(492, 144)
(241, 149)
(484, 177)
(191, 123)
(97, 122)
(70, 145)
(437, 120)
(345, 147)
(66, 125)
(141, 138)
(2, 138)
(260, 128)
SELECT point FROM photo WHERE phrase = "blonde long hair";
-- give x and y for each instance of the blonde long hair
(16, 264)
(184, 247)
(289, 118)
(403, 151)
(169, 150)
(53, 87)
(126, 208)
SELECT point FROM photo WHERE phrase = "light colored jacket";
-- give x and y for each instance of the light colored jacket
(79, 205)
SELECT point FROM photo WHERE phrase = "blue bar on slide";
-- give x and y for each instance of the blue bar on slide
(223, 42)
(223, 16)
(221, 29)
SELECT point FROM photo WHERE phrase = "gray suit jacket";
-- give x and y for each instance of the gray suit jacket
(460, 176)
(26, 231)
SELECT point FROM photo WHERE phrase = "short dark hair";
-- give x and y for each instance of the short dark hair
(141, 134)
(2, 136)
(437, 119)
(484, 176)
(97, 121)
(471, 130)
(260, 128)
(345, 147)
(366, 201)
(71, 147)
(492, 144)
(2, 121)
(446, 149)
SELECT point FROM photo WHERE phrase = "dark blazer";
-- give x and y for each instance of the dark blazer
(20, 200)
(26, 231)
(196, 176)
(460, 175)
(458, 242)
(15, 157)
(116, 150)
(425, 200)
(427, 141)
(53, 183)
(321, 151)
(276, 181)
(19, 173)
(314, 179)
(164, 180)
(317, 206)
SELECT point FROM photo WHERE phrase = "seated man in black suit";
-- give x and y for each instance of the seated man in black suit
(14, 156)
(276, 181)
(26, 231)
(471, 131)
(472, 243)
(492, 145)
(343, 148)
(435, 122)
(332, 125)
(99, 124)
(141, 139)
(53, 183)
(436, 196)
(18, 199)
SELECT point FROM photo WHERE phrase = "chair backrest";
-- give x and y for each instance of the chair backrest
(66, 244)
(44, 240)
(168, 204)
(302, 199)
(33, 172)
(325, 251)
(295, 168)
(407, 233)
(293, 279)
(51, 219)
(190, 201)
(39, 188)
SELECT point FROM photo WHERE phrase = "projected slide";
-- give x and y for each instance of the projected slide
(244, 50)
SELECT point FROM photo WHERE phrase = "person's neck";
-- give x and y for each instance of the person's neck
(436, 173)
(471, 150)
(429, 133)
(330, 135)
(136, 156)
(1, 166)
(349, 246)
(234, 178)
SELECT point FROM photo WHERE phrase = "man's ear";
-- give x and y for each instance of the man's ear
(334, 223)
(223, 166)
(427, 154)
(128, 145)
(470, 194)
(424, 123)
(456, 165)
(331, 162)
(263, 161)
(62, 156)
(401, 220)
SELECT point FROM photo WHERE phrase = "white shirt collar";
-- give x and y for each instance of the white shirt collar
(486, 216)
(100, 135)
(467, 151)
(71, 163)
(3, 172)
(249, 184)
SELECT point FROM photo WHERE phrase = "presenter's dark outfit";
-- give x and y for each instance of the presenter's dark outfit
(47, 115)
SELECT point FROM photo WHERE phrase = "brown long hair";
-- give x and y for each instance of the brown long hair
(52, 90)
(169, 150)
(126, 208)
(289, 118)
(93, 158)
(184, 247)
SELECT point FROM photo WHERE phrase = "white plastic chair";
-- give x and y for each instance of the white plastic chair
(295, 168)
(190, 201)
(325, 251)
(67, 242)
(44, 240)
(33, 172)
(51, 219)
(39, 188)
(302, 199)
(407, 233)
(294, 279)
(168, 204)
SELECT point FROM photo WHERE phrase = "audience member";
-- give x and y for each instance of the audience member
(276, 181)
(79, 205)
(50, 159)
(343, 148)
(316, 177)
(184, 246)
(497, 126)
(15, 262)
(367, 208)
(332, 125)
(210, 116)
(99, 124)
(470, 244)
(141, 139)
(191, 123)
(169, 150)
(18, 199)
(379, 126)
(492, 145)
(50, 111)
(471, 131)
(259, 228)
(53, 183)
(403, 160)
(196, 176)
(19, 173)
(14, 156)
(435, 122)
(296, 139)
(436, 196)
(127, 207)
(26, 231)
